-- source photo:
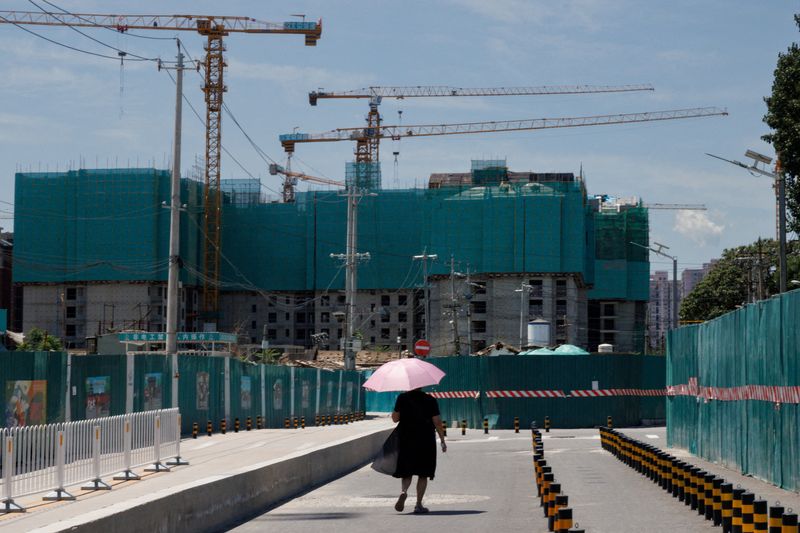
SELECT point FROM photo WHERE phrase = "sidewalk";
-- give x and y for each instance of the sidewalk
(231, 459)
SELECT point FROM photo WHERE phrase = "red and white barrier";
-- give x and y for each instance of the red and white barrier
(525, 394)
(473, 394)
(766, 393)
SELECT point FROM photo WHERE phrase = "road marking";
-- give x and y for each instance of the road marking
(652, 436)
(206, 445)
(493, 438)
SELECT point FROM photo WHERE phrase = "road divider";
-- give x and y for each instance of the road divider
(554, 503)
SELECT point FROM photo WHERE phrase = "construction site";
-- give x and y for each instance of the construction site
(101, 265)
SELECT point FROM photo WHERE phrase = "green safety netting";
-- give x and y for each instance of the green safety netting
(109, 225)
(758, 345)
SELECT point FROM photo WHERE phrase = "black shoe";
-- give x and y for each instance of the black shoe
(401, 502)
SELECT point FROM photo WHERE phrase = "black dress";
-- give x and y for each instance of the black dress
(417, 434)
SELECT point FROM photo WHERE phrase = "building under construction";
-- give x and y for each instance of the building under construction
(91, 255)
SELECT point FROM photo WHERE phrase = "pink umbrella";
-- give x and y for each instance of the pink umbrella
(403, 375)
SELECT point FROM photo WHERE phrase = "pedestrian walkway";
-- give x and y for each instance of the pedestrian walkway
(210, 458)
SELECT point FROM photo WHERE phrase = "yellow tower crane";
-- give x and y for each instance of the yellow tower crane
(367, 148)
(214, 28)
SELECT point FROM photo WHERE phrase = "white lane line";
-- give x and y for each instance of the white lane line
(206, 445)
(652, 436)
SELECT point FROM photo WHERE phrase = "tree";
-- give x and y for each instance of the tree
(783, 118)
(38, 340)
(734, 280)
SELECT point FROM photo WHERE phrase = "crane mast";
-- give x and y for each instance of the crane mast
(214, 28)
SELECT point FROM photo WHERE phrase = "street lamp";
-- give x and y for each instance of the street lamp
(780, 192)
(660, 251)
(523, 291)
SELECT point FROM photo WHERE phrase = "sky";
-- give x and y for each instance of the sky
(64, 109)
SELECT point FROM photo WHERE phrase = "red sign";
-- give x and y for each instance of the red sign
(422, 347)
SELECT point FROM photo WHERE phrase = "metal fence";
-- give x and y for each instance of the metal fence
(49, 387)
(52, 457)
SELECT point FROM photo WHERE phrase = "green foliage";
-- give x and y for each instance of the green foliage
(734, 279)
(783, 118)
(38, 340)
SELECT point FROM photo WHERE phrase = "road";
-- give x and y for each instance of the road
(485, 483)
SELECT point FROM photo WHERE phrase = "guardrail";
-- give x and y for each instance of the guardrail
(55, 456)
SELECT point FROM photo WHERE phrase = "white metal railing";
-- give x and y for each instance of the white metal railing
(52, 457)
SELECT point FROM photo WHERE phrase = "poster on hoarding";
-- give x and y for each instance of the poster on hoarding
(152, 391)
(246, 396)
(26, 402)
(98, 397)
(202, 391)
(277, 394)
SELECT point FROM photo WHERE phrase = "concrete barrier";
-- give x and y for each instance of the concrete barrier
(212, 503)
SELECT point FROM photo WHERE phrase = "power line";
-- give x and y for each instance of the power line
(89, 21)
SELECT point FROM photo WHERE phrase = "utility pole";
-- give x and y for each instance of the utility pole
(351, 259)
(469, 316)
(660, 251)
(780, 192)
(454, 306)
(424, 257)
(173, 278)
(523, 292)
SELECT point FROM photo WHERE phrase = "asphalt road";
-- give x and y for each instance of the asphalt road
(486, 484)
(482, 484)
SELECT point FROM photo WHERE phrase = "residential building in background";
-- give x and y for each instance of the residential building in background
(95, 260)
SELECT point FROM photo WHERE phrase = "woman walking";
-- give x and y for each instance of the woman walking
(419, 421)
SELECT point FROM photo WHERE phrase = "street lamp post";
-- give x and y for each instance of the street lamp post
(660, 251)
(523, 291)
(780, 192)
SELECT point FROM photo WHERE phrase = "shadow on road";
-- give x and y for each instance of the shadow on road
(308, 516)
(452, 512)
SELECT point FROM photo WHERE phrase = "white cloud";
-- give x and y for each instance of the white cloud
(698, 227)
(574, 14)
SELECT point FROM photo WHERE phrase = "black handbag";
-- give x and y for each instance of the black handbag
(386, 461)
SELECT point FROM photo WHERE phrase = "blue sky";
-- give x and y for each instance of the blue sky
(61, 107)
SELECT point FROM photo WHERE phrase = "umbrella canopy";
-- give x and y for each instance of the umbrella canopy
(569, 349)
(403, 375)
(539, 351)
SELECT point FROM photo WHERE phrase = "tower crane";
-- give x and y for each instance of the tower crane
(214, 28)
(292, 177)
(362, 135)
(367, 149)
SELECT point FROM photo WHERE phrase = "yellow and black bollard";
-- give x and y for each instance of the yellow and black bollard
(564, 520)
(716, 488)
(547, 479)
(286, 423)
(316, 420)
(560, 502)
(223, 426)
(444, 427)
(328, 423)
(209, 428)
(550, 505)
(259, 422)
(609, 422)
(727, 507)
(294, 422)
(516, 424)
(708, 483)
(547, 426)
(249, 424)
(194, 430)
(236, 425)
(789, 523)
(775, 519)
(760, 515)
(303, 422)
(485, 426)
(736, 522)
(748, 498)
(463, 427)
